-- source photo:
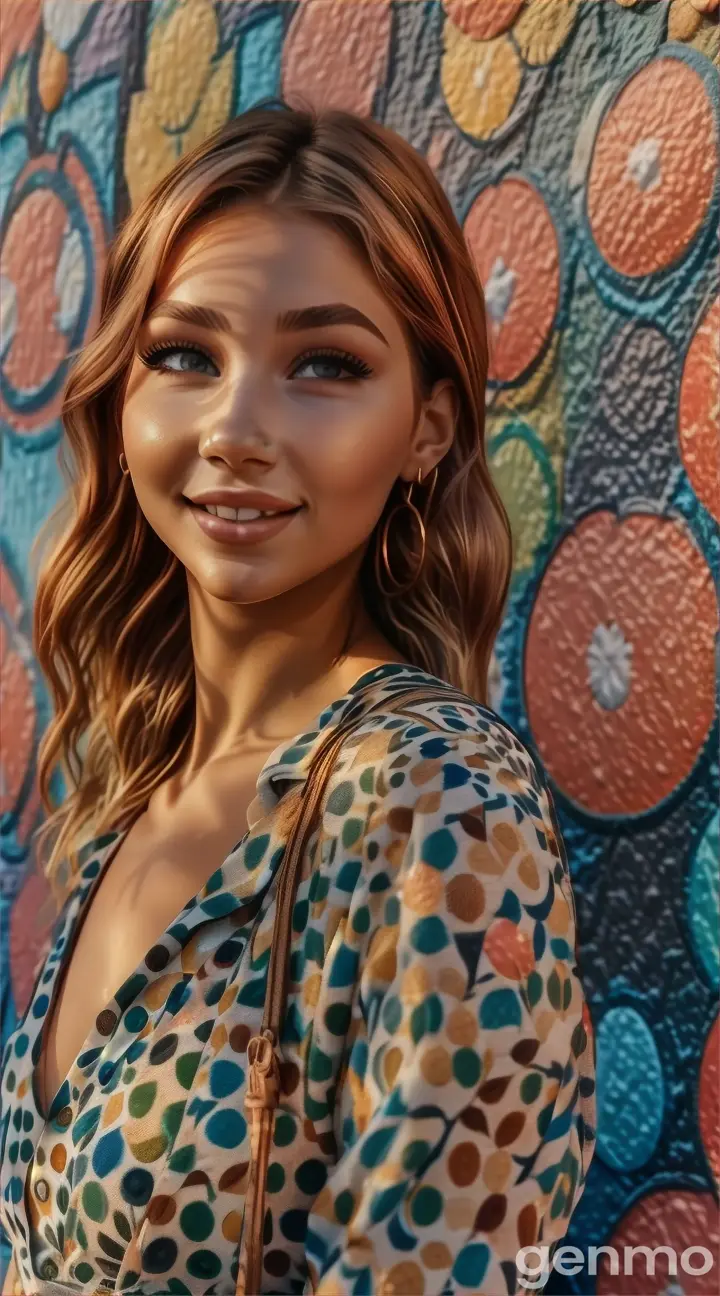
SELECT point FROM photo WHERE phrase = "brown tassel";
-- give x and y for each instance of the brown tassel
(261, 1099)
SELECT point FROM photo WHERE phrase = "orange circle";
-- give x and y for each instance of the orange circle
(653, 168)
(699, 411)
(621, 636)
(336, 54)
(512, 237)
(29, 258)
(509, 949)
(482, 21)
(676, 1219)
(38, 346)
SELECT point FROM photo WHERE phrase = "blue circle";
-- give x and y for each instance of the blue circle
(226, 1128)
(472, 1261)
(630, 1090)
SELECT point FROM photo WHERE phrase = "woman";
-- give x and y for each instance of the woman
(284, 527)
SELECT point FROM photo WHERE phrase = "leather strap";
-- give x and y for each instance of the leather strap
(263, 1087)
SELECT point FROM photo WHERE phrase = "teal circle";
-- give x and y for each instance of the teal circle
(630, 1090)
(284, 1130)
(392, 1014)
(197, 1221)
(415, 1155)
(427, 1207)
(135, 1019)
(225, 1078)
(226, 1128)
(704, 901)
(255, 850)
(429, 936)
(344, 1203)
(466, 1067)
(471, 1264)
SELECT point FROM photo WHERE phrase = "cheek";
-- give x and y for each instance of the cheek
(154, 444)
(353, 460)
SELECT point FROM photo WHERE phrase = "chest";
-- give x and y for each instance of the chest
(160, 865)
(156, 1133)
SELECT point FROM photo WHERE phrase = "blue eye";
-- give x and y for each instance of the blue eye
(187, 358)
(337, 362)
(179, 358)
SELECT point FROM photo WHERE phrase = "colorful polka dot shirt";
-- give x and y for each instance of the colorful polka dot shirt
(437, 1112)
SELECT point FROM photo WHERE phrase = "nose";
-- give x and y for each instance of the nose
(232, 427)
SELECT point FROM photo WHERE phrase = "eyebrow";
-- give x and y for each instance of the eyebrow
(292, 321)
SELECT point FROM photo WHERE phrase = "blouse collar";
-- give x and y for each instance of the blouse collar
(246, 870)
(291, 762)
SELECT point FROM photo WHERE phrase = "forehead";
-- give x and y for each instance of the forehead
(254, 259)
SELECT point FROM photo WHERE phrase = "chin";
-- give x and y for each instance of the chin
(240, 585)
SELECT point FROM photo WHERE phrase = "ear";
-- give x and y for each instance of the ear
(434, 431)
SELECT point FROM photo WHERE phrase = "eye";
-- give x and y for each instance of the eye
(179, 357)
(330, 365)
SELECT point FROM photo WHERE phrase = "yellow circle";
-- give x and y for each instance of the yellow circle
(177, 66)
(480, 80)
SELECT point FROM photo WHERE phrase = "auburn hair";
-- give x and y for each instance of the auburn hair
(111, 625)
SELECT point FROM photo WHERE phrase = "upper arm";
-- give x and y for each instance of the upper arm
(463, 1119)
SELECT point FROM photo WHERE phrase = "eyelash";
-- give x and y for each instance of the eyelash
(357, 367)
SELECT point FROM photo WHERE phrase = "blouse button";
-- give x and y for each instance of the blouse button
(64, 1116)
(49, 1270)
(42, 1191)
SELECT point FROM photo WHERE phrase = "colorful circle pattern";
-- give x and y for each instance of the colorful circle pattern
(49, 299)
(654, 168)
(630, 1085)
(599, 649)
(516, 249)
(579, 143)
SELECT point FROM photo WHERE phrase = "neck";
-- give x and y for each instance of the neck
(264, 671)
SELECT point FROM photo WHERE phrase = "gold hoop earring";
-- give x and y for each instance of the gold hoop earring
(123, 463)
(382, 547)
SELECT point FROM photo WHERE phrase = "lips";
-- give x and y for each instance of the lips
(244, 532)
(241, 498)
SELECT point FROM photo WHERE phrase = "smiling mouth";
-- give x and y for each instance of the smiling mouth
(241, 514)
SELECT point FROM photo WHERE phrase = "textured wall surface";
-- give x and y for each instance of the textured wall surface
(578, 143)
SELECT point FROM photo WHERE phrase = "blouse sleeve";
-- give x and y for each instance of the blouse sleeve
(465, 1120)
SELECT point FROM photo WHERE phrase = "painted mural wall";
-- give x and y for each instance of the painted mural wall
(578, 142)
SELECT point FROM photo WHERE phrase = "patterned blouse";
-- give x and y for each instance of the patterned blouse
(438, 1077)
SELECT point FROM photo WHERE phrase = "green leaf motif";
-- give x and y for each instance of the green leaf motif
(142, 1099)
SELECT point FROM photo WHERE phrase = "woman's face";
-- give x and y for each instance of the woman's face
(270, 362)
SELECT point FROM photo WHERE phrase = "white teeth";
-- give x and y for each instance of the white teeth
(236, 515)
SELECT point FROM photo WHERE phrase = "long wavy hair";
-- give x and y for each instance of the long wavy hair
(111, 620)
